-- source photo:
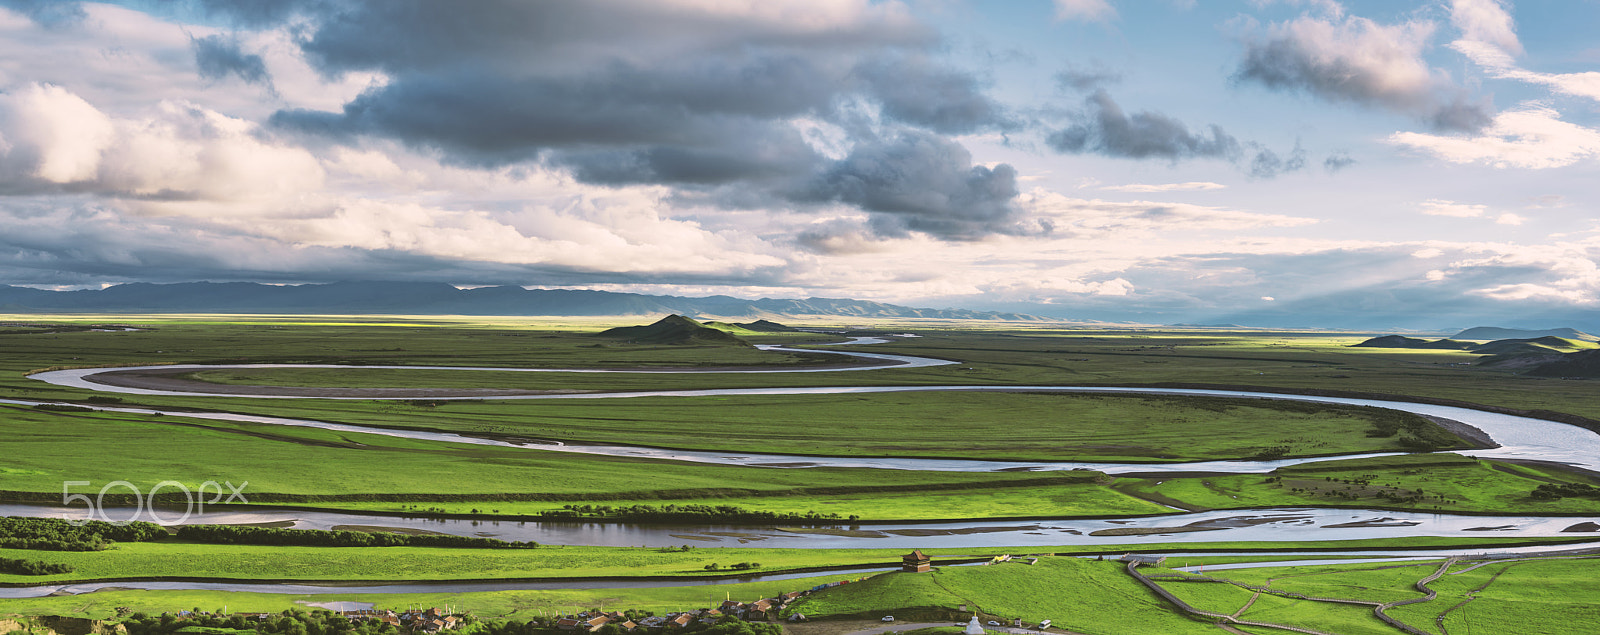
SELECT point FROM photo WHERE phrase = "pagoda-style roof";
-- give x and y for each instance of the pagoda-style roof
(915, 556)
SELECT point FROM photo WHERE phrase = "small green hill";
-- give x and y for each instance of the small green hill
(758, 327)
(1401, 341)
(1081, 595)
(673, 329)
(768, 326)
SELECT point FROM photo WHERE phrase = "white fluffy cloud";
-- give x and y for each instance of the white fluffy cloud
(52, 139)
(1085, 10)
(1486, 21)
(1532, 136)
(1354, 59)
(1502, 65)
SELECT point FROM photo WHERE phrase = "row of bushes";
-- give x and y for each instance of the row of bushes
(1554, 491)
(56, 534)
(15, 566)
(238, 535)
(719, 513)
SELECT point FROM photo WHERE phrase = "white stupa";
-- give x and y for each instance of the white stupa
(973, 628)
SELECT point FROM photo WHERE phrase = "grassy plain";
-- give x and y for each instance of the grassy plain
(519, 604)
(173, 558)
(362, 470)
(978, 425)
(1081, 595)
(46, 448)
(1444, 482)
(1537, 596)
(1553, 596)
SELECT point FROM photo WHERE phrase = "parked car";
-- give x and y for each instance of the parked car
(888, 618)
(993, 623)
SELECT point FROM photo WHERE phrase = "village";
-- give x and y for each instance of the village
(439, 619)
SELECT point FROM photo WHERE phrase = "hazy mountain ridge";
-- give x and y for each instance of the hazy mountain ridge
(424, 298)
(1498, 333)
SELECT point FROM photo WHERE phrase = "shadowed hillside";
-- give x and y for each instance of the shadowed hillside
(1401, 341)
(673, 329)
(1497, 333)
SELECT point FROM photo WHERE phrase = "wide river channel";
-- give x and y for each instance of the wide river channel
(1519, 437)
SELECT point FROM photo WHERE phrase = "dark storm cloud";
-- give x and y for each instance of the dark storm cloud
(219, 57)
(760, 153)
(48, 13)
(1106, 129)
(632, 92)
(416, 35)
(919, 93)
(487, 119)
(924, 183)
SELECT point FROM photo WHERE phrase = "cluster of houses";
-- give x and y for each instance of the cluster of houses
(419, 620)
(763, 610)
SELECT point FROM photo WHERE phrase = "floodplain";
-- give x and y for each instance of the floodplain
(89, 435)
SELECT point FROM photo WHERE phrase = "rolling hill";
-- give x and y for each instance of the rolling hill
(1401, 341)
(673, 329)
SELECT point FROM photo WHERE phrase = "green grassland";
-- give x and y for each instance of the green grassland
(1025, 500)
(1284, 360)
(46, 448)
(1215, 597)
(367, 471)
(487, 605)
(1549, 595)
(1080, 595)
(176, 558)
(1535, 596)
(1371, 582)
(1444, 482)
(1345, 619)
(262, 562)
(1016, 356)
(1000, 426)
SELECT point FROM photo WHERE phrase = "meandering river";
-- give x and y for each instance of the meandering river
(1520, 438)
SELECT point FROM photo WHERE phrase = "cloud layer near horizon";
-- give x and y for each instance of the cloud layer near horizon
(796, 147)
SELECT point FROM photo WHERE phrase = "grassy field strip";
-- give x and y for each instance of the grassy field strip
(244, 563)
(1278, 604)
(1393, 591)
(1319, 614)
(1009, 426)
(493, 604)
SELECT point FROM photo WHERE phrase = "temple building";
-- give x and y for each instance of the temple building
(916, 562)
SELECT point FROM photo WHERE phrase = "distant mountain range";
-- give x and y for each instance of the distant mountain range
(423, 298)
(1497, 333)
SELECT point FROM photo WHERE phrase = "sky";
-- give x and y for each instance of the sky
(1265, 162)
